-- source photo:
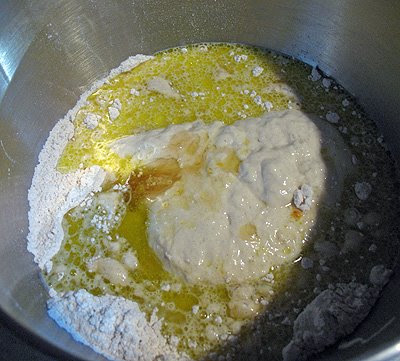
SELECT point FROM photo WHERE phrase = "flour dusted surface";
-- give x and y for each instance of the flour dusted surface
(112, 326)
(334, 313)
(52, 193)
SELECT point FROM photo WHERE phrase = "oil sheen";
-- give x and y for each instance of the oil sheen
(224, 82)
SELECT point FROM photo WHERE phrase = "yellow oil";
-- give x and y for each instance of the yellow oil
(213, 87)
(191, 72)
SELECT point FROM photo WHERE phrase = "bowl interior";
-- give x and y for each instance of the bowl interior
(51, 51)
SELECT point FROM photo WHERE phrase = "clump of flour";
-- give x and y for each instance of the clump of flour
(112, 326)
(334, 313)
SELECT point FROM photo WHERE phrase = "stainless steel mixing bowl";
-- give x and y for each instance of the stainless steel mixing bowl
(51, 50)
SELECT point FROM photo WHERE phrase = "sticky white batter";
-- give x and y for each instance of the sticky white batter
(229, 216)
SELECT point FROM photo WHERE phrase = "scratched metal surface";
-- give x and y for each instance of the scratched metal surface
(51, 50)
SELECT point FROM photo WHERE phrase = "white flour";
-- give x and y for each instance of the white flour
(112, 326)
(52, 193)
(334, 313)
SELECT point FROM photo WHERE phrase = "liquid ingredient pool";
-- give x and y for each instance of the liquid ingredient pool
(116, 234)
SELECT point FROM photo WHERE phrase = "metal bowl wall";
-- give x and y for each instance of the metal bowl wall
(51, 51)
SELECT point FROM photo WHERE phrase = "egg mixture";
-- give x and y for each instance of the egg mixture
(185, 223)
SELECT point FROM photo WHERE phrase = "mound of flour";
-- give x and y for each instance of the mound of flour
(112, 326)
